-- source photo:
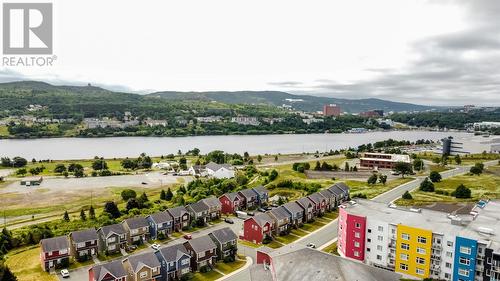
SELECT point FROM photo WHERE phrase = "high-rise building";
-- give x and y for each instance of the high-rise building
(331, 110)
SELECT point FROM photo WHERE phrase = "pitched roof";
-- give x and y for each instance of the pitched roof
(174, 252)
(336, 190)
(54, 244)
(279, 213)
(232, 196)
(136, 222)
(202, 244)
(113, 228)
(84, 235)
(293, 207)
(212, 202)
(177, 211)
(115, 268)
(304, 202)
(247, 193)
(161, 217)
(224, 235)
(261, 190)
(327, 194)
(148, 259)
(199, 206)
(262, 219)
(316, 197)
(214, 166)
(343, 186)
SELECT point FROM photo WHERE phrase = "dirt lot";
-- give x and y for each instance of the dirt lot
(360, 175)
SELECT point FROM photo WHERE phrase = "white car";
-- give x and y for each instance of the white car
(155, 247)
(64, 273)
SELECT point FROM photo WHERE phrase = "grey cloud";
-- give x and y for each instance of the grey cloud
(286, 83)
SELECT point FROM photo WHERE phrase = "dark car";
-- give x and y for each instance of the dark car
(230, 221)
(250, 214)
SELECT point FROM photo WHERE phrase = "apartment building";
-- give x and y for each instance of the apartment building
(423, 243)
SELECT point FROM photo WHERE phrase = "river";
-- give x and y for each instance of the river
(84, 148)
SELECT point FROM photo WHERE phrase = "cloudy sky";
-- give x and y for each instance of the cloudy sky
(427, 52)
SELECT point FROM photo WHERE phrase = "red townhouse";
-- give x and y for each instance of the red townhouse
(256, 228)
(231, 202)
(319, 203)
(54, 253)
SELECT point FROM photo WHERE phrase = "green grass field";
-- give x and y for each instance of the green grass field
(361, 187)
(208, 276)
(3, 131)
(25, 264)
(227, 268)
(331, 249)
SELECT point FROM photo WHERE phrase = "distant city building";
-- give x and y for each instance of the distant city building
(357, 130)
(486, 125)
(153, 123)
(331, 110)
(382, 160)
(272, 120)
(372, 113)
(309, 121)
(450, 147)
(245, 120)
(209, 119)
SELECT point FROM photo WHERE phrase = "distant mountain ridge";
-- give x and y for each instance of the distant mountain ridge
(301, 102)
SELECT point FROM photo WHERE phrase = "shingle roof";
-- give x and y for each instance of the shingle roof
(327, 194)
(136, 222)
(212, 202)
(115, 228)
(279, 213)
(248, 193)
(161, 217)
(199, 206)
(224, 235)
(148, 259)
(293, 207)
(214, 166)
(316, 197)
(343, 186)
(261, 190)
(232, 196)
(202, 244)
(177, 211)
(174, 252)
(54, 244)
(304, 202)
(84, 235)
(336, 190)
(114, 268)
(263, 218)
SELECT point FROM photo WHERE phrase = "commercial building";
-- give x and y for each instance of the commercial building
(423, 243)
(331, 110)
(382, 160)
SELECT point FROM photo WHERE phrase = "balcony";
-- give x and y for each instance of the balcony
(436, 257)
(436, 246)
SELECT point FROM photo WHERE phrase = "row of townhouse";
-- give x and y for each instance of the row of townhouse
(212, 169)
(109, 239)
(280, 220)
(170, 262)
(249, 198)
(423, 243)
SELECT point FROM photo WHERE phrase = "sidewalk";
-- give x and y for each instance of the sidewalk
(247, 265)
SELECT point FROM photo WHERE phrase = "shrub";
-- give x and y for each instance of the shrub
(427, 185)
(204, 269)
(407, 195)
(462, 192)
(435, 176)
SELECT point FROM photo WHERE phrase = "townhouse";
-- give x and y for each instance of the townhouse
(226, 241)
(262, 195)
(230, 202)
(198, 212)
(257, 228)
(202, 251)
(331, 202)
(181, 217)
(112, 238)
(143, 267)
(220, 171)
(175, 262)
(308, 207)
(423, 243)
(137, 230)
(250, 200)
(214, 208)
(84, 244)
(160, 225)
(319, 203)
(281, 220)
(296, 213)
(54, 253)
(110, 271)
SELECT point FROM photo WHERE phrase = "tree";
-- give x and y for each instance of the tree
(372, 179)
(458, 160)
(128, 193)
(91, 212)
(132, 203)
(273, 175)
(462, 192)
(143, 198)
(162, 195)
(99, 164)
(426, 185)
(382, 179)
(346, 167)
(216, 156)
(66, 216)
(6, 274)
(169, 195)
(281, 201)
(5, 162)
(18, 162)
(74, 166)
(21, 172)
(78, 173)
(403, 168)
(418, 164)
(83, 217)
(34, 171)
(475, 170)
(60, 168)
(259, 158)
(111, 208)
(276, 158)
(407, 195)
(435, 176)
(317, 167)
(128, 164)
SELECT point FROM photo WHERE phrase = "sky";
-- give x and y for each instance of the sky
(438, 52)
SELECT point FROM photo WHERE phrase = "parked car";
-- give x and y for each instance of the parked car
(250, 214)
(274, 205)
(144, 183)
(131, 248)
(311, 245)
(267, 208)
(65, 273)
(394, 173)
(188, 237)
(262, 210)
(230, 221)
(155, 247)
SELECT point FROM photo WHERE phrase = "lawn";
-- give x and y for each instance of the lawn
(331, 249)
(4, 131)
(211, 275)
(286, 239)
(25, 264)
(299, 232)
(312, 226)
(291, 194)
(486, 185)
(361, 187)
(227, 268)
(248, 244)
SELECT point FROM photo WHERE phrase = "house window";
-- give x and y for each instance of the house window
(111, 239)
(155, 269)
(133, 231)
(379, 257)
(80, 245)
(356, 244)
(358, 225)
(356, 253)
(403, 266)
(464, 261)
(357, 235)
(420, 260)
(465, 250)
(143, 274)
(380, 228)
(368, 249)
(369, 240)
(404, 257)
(111, 247)
(463, 272)
(405, 236)
(185, 262)
(419, 271)
(405, 246)
(422, 240)
(449, 243)
(63, 251)
(380, 238)
(379, 248)
(421, 251)
(369, 230)
(201, 255)
(449, 254)
(448, 265)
